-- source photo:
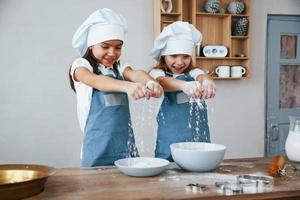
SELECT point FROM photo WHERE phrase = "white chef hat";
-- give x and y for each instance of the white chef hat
(176, 38)
(102, 25)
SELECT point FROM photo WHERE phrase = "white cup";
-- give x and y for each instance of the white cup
(237, 71)
(223, 71)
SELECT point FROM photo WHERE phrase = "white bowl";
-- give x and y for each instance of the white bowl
(197, 156)
(142, 166)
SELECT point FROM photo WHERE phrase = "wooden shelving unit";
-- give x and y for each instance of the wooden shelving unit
(225, 58)
(216, 29)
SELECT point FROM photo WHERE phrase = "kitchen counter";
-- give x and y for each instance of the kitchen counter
(110, 183)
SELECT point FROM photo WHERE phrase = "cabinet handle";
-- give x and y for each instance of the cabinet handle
(274, 132)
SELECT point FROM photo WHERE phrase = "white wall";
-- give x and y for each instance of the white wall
(38, 121)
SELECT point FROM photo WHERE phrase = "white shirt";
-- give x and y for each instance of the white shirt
(84, 92)
(155, 73)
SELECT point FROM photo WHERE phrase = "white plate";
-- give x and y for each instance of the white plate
(142, 166)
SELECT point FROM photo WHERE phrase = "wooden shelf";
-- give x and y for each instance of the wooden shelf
(216, 29)
(212, 14)
(234, 15)
(167, 21)
(227, 78)
(222, 58)
(171, 14)
(219, 14)
(239, 37)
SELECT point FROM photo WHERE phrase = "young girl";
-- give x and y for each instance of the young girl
(183, 113)
(102, 86)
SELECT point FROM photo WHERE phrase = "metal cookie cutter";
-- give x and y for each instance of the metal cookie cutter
(195, 187)
(229, 188)
(254, 184)
(242, 179)
(221, 185)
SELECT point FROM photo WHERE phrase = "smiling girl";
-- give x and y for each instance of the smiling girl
(102, 88)
(180, 118)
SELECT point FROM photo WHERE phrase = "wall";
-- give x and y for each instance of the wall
(38, 121)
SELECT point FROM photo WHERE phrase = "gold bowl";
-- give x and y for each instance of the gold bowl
(19, 181)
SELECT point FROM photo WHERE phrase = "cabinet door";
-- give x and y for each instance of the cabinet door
(283, 80)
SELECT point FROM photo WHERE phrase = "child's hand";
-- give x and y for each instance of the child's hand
(155, 89)
(192, 89)
(209, 88)
(136, 90)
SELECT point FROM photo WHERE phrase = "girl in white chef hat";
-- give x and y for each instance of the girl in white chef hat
(183, 113)
(102, 87)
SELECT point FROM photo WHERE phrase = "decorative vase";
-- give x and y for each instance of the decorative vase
(212, 6)
(166, 6)
(236, 7)
(241, 27)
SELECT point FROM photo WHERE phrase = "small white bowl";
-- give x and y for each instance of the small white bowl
(197, 156)
(142, 166)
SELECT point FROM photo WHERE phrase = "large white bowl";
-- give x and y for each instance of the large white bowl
(142, 166)
(197, 156)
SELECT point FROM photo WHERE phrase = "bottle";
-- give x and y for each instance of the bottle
(292, 144)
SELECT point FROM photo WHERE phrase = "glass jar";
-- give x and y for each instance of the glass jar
(292, 144)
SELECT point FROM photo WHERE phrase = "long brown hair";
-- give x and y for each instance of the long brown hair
(93, 62)
(161, 64)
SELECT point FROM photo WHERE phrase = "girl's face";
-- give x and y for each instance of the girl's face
(107, 52)
(178, 63)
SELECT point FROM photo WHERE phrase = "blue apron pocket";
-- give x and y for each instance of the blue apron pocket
(182, 98)
(115, 99)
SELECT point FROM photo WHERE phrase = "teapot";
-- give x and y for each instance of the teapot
(292, 144)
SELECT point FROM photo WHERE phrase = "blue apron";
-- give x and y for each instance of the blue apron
(108, 132)
(180, 121)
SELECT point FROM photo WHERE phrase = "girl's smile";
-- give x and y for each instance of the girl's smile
(178, 69)
(109, 61)
(108, 52)
(178, 63)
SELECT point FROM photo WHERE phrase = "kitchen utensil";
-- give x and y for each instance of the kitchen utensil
(195, 187)
(197, 156)
(18, 181)
(142, 166)
(246, 178)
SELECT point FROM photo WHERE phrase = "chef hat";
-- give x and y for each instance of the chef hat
(102, 25)
(176, 38)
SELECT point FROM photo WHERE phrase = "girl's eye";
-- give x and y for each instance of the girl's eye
(186, 56)
(104, 47)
